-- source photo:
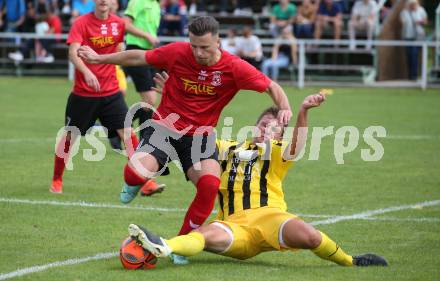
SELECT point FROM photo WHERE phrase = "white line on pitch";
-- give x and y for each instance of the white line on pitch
(413, 137)
(402, 219)
(376, 212)
(363, 215)
(113, 206)
(39, 268)
(87, 204)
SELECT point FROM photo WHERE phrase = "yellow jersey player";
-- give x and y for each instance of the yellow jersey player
(252, 215)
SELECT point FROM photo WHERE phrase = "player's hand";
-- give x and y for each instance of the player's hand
(160, 79)
(88, 54)
(313, 101)
(284, 116)
(152, 39)
(92, 81)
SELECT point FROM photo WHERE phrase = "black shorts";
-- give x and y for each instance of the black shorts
(142, 76)
(166, 146)
(82, 112)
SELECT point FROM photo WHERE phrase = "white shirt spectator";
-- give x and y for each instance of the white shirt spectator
(410, 28)
(229, 45)
(364, 10)
(250, 44)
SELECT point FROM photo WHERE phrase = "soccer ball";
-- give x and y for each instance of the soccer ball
(133, 256)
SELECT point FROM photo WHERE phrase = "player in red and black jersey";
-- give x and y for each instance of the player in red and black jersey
(95, 93)
(202, 80)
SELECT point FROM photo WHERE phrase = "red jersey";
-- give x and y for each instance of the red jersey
(198, 93)
(54, 22)
(103, 36)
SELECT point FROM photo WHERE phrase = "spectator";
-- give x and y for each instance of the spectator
(30, 18)
(413, 19)
(229, 43)
(305, 19)
(81, 7)
(55, 24)
(243, 8)
(282, 54)
(42, 47)
(283, 15)
(15, 11)
(197, 7)
(174, 17)
(66, 9)
(249, 47)
(363, 17)
(329, 13)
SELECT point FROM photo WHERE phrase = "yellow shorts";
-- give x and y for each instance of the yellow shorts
(255, 231)
(121, 78)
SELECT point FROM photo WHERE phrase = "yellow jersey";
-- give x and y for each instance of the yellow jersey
(251, 176)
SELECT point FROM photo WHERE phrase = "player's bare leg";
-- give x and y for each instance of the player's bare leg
(300, 235)
(140, 168)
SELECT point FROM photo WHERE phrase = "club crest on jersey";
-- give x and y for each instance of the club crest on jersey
(202, 75)
(115, 31)
(216, 78)
(103, 29)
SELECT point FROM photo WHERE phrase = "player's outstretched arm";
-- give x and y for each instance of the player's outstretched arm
(126, 58)
(130, 28)
(281, 101)
(300, 131)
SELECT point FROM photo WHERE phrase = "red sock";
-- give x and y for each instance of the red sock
(132, 178)
(130, 147)
(202, 205)
(61, 155)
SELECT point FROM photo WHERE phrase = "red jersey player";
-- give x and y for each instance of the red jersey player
(202, 80)
(96, 91)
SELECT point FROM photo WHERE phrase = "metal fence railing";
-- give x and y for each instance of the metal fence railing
(437, 36)
(302, 65)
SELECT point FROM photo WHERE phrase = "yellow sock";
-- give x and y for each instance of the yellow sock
(187, 245)
(329, 250)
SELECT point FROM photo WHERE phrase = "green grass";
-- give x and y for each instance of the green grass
(32, 111)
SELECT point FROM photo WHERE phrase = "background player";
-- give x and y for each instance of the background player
(95, 93)
(203, 79)
(252, 215)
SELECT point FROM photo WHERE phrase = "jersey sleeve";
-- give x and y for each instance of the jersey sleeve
(277, 153)
(130, 11)
(248, 77)
(76, 33)
(162, 57)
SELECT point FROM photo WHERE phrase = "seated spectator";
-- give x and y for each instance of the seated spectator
(174, 17)
(46, 23)
(66, 9)
(196, 6)
(229, 43)
(15, 13)
(413, 19)
(283, 54)
(305, 19)
(81, 7)
(243, 7)
(249, 47)
(329, 13)
(363, 18)
(55, 23)
(283, 15)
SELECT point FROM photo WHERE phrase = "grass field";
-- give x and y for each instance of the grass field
(37, 229)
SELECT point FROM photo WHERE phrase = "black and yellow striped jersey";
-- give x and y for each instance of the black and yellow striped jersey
(251, 176)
